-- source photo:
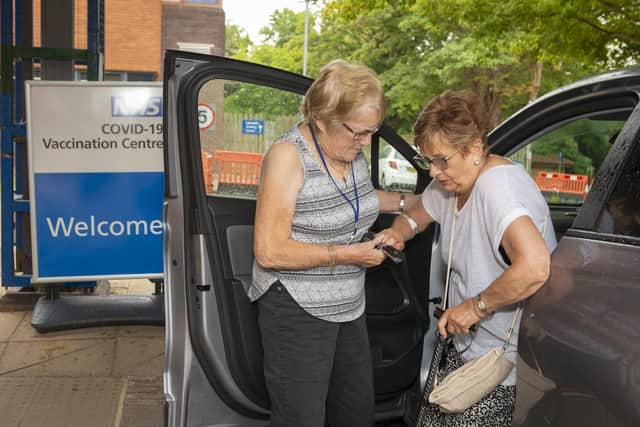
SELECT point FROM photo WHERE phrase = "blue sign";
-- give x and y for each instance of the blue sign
(253, 127)
(93, 224)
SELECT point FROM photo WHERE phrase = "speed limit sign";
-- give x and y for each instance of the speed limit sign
(206, 116)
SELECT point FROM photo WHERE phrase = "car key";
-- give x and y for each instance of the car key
(392, 253)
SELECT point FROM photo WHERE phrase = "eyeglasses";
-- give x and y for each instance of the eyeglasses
(357, 135)
(425, 163)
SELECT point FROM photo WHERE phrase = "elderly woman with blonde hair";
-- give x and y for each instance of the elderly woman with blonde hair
(315, 204)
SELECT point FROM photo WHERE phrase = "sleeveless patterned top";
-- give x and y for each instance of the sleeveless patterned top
(323, 216)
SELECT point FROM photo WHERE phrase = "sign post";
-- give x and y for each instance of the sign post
(96, 180)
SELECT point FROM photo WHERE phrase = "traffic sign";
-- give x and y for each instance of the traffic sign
(206, 116)
(253, 127)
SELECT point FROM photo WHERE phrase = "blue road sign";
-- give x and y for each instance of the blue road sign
(253, 127)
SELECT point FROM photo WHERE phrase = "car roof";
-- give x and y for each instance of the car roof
(611, 84)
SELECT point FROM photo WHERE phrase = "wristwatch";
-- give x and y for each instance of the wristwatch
(481, 305)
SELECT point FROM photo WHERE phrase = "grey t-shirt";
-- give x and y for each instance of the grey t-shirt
(500, 195)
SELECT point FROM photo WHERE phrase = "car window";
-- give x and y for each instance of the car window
(564, 161)
(238, 122)
(395, 173)
(621, 214)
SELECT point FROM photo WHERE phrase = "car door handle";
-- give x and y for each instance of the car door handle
(572, 214)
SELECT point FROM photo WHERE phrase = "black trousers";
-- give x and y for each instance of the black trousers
(316, 371)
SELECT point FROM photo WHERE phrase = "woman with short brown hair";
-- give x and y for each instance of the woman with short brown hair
(493, 223)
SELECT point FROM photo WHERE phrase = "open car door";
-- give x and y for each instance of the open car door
(220, 116)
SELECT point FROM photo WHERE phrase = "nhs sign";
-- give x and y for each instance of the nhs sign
(136, 106)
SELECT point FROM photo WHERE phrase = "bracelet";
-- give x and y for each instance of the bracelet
(332, 258)
(402, 197)
(412, 223)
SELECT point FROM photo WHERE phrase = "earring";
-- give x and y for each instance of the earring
(476, 162)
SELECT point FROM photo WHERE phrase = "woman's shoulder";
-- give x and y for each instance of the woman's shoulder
(283, 152)
(502, 171)
(507, 181)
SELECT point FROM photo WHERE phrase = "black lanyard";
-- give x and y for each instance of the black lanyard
(356, 208)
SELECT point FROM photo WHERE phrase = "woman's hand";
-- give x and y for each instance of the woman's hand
(365, 254)
(458, 319)
(393, 238)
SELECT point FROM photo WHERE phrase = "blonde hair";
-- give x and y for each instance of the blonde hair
(341, 88)
(456, 116)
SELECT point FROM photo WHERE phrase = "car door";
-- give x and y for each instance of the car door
(221, 115)
(578, 363)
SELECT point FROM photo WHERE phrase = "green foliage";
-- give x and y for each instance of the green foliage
(584, 143)
(283, 49)
(248, 98)
(422, 47)
(237, 42)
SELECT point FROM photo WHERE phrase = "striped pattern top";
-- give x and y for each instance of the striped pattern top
(323, 216)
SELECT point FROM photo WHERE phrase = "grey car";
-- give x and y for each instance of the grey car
(579, 359)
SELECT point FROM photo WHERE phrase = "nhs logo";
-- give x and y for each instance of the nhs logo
(136, 106)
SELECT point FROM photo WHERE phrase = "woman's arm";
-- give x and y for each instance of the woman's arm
(405, 226)
(282, 178)
(390, 201)
(529, 270)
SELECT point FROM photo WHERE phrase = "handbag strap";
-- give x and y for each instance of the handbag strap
(445, 302)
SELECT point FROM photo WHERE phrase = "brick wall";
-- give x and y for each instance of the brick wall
(132, 35)
(192, 23)
(137, 32)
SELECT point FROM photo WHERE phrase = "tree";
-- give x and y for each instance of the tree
(283, 48)
(237, 42)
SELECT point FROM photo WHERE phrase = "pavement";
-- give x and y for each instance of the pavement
(90, 377)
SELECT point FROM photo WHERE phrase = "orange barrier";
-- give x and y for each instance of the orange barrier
(207, 171)
(563, 183)
(238, 169)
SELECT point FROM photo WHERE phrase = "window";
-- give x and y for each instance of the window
(238, 122)
(395, 173)
(564, 162)
(621, 214)
(128, 76)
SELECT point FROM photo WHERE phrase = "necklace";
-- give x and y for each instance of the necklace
(355, 207)
(342, 175)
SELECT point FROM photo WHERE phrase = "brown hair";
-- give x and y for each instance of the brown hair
(457, 116)
(342, 87)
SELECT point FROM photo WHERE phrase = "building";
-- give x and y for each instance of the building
(137, 33)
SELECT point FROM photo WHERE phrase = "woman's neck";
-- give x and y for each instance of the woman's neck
(338, 166)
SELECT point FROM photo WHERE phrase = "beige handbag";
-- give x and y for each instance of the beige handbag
(468, 384)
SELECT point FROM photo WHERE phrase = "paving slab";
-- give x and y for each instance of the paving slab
(141, 331)
(143, 405)
(59, 402)
(75, 358)
(9, 322)
(139, 356)
(26, 332)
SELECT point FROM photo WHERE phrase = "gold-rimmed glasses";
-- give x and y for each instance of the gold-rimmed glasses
(439, 162)
(360, 134)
